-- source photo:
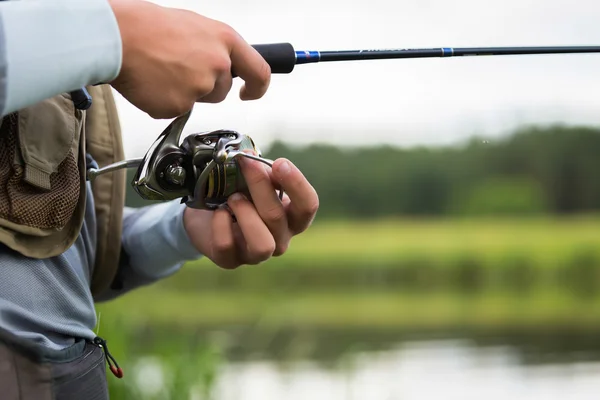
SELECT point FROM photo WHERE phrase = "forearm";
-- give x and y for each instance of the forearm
(155, 246)
(49, 47)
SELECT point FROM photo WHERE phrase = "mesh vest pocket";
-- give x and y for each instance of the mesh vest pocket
(47, 206)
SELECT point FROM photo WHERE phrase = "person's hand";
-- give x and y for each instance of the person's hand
(264, 227)
(173, 58)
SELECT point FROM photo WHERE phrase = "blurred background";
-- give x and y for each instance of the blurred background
(456, 252)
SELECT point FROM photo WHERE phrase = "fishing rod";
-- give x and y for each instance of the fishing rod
(203, 172)
(282, 57)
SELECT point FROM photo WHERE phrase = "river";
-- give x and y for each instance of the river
(446, 370)
(350, 366)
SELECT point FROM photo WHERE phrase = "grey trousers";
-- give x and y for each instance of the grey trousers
(28, 372)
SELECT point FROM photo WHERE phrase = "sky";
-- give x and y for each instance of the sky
(418, 102)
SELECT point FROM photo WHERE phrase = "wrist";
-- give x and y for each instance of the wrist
(132, 18)
(156, 240)
(120, 11)
(197, 227)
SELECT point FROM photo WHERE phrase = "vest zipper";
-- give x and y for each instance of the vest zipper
(115, 369)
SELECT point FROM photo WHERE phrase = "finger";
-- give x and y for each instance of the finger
(267, 203)
(224, 252)
(248, 64)
(285, 200)
(260, 244)
(221, 90)
(304, 201)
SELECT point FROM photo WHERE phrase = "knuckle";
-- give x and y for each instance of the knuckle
(311, 208)
(220, 98)
(215, 98)
(263, 252)
(222, 65)
(281, 248)
(223, 245)
(227, 34)
(229, 265)
(275, 214)
(204, 86)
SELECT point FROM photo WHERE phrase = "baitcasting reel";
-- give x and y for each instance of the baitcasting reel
(202, 170)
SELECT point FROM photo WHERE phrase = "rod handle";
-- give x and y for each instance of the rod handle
(281, 57)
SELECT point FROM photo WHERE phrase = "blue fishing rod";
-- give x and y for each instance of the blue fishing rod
(282, 57)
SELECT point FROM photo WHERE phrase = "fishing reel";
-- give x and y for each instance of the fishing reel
(202, 170)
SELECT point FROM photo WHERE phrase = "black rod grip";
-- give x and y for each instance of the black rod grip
(281, 57)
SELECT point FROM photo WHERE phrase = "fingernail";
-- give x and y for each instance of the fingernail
(236, 197)
(284, 168)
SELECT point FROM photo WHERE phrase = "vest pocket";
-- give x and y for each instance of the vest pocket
(39, 172)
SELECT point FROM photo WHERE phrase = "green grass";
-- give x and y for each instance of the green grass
(387, 240)
(437, 311)
(471, 272)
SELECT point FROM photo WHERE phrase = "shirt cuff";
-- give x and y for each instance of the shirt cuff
(156, 241)
(57, 46)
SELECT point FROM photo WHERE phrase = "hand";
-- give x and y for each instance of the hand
(173, 58)
(265, 227)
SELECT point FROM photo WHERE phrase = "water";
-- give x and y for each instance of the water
(444, 369)
(351, 363)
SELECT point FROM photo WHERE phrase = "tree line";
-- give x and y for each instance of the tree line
(534, 170)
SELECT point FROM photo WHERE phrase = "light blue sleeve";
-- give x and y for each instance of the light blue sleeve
(49, 47)
(155, 246)
(155, 239)
(2, 65)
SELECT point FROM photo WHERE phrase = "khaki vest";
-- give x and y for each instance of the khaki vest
(43, 179)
